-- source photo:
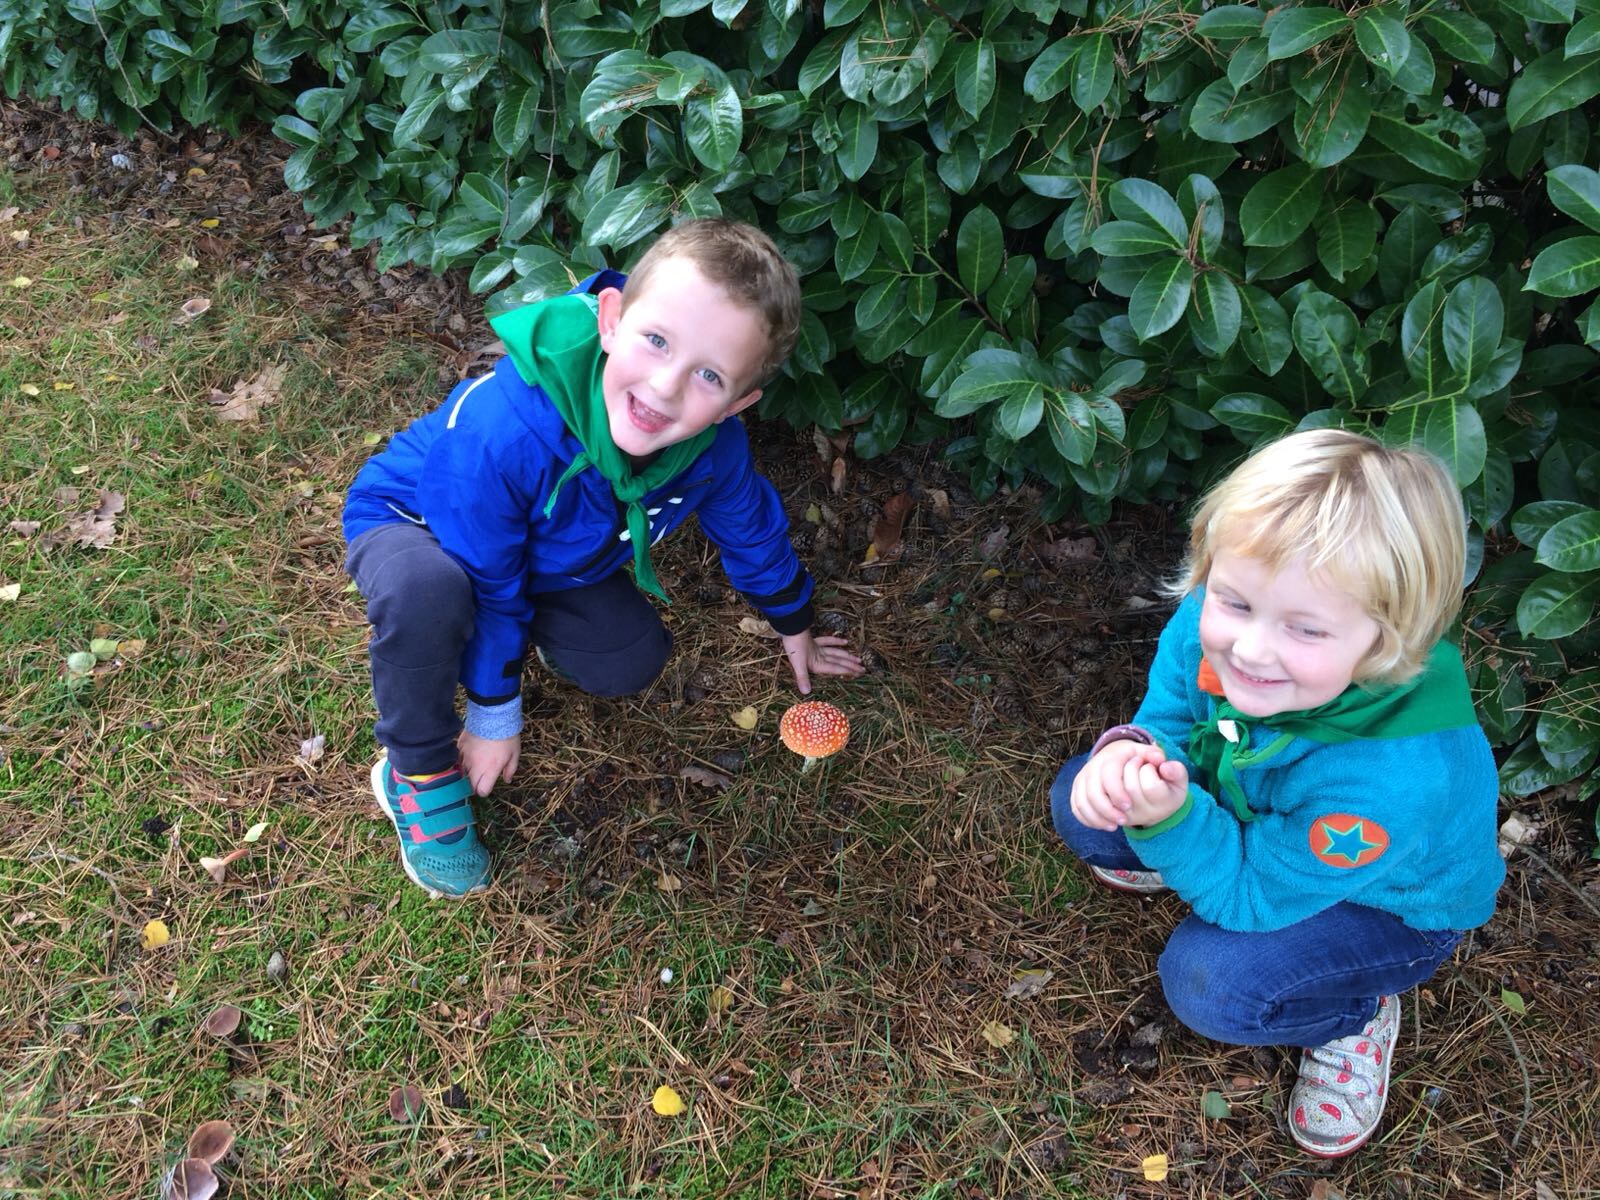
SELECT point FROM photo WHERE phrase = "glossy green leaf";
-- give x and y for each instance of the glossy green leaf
(1215, 314)
(1201, 203)
(1422, 339)
(1332, 126)
(980, 248)
(1071, 425)
(1575, 191)
(1571, 544)
(975, 75)
(1460, 35)
(1531, 522)
(1230, 22)
(1253, 414)
(1160, 297)
(852, 257)
(1019, 414)
(1294, 29)
(1557, 605)
(1223, 114)
(1550, 84)
(1454, 432)
(1383, 40)
(1142, 200)
(1129, 239)
(624, 215)
(1474, 322)
(1281, 206)
(1325, 332)
(1093, 70)
(1347, 239)
(858, 140)
(1584, 37)
(926, 204)
(714, 126)
(1568, 268)
(1050, 74)
(1264, 330)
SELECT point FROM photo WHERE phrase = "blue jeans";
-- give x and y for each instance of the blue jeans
(1302, 985)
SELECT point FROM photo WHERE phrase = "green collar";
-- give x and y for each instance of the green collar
(1435, 700)
(555, 346)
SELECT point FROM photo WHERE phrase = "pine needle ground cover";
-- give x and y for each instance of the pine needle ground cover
(876, 980)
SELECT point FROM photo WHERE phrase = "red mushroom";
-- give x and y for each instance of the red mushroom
(815, 730)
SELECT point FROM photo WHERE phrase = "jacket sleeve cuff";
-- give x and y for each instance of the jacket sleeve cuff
(495, 721)
(1120, 733)
(798, 621)
(1143, 833)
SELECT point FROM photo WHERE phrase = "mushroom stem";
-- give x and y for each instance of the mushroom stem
(808, 764)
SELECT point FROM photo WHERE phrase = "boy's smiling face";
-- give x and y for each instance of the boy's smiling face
(1280, 642)
(682, 356)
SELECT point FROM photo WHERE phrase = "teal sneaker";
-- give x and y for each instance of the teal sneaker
(439, 846)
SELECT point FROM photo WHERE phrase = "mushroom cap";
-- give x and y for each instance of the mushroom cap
(814, 729)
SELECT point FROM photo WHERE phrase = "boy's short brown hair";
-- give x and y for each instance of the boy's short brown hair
(1385, 523)
(743, 261)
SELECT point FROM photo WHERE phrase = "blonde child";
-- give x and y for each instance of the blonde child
(1306, 770)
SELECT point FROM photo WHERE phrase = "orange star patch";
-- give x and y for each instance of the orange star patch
(1207, 680)
(1343, 840)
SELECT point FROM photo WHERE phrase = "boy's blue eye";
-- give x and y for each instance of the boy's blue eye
(655, 339)
(1236, 605)
(710, 376)
(1307, 631)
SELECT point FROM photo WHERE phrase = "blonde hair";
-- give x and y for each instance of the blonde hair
(1384, 524)
(745, 263)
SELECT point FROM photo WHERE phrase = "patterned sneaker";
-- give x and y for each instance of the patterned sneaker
(439, 847)
(1338, 1102)
(1143, 883)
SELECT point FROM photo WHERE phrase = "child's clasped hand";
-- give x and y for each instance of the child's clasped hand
(1128, 783)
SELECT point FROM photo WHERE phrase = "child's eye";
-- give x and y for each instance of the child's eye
(710, 376)
(1235, 605)
(1307, 631)
(656, 340)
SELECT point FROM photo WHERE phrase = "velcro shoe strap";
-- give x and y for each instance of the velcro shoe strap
(447, 808)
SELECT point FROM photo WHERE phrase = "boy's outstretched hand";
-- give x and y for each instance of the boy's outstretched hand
(1128, 783)
(486, 761)
(825, 655)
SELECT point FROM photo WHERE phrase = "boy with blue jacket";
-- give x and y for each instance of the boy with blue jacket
(506, 516)
(1306, 769)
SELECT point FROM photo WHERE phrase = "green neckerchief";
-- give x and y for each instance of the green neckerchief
(1436, 700)
(555, 345)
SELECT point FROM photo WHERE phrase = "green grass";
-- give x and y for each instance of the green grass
(867, 917)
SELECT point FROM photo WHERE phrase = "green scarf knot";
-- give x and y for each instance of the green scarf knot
(1437, 699)
(555, 346)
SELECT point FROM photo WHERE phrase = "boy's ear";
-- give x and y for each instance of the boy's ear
(739, 405)
(610, 313)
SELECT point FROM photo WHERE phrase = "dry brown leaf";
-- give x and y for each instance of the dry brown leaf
(757, 627)
(97, 527)
(939, 500)
(669, 882)
(1065, 550)
(192, 310)
(1028, 984)
(24, 528)
(8, 212)
(888, 529)
(997, 1035)
(995, 542)
(249, 397)
(1323, 1189)
(836, 476)
(706, 777)
(312, 750)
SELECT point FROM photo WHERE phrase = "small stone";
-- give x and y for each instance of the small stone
(277, 967)
(73, 1029)
(666, 974)
(121, 162)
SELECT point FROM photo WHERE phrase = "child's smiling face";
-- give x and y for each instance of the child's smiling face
(681, 357)
(1280, 642)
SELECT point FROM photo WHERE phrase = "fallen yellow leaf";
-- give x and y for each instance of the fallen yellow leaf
(11, 591)
(669, 883)
(154, 935)
(814, 514)
(21, 281)
(210, 223)
(61, 385)
(872, 553)
(187, 263)
(720, 1000)
(196, 173)
(991, 573)
(253, 834)
(666, 1102)
(746, 717)
(1155, 1167)
(997, 1035)
(29, 389)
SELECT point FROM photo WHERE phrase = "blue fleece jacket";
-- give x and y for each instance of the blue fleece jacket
(478, 471)
(1405, 825)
